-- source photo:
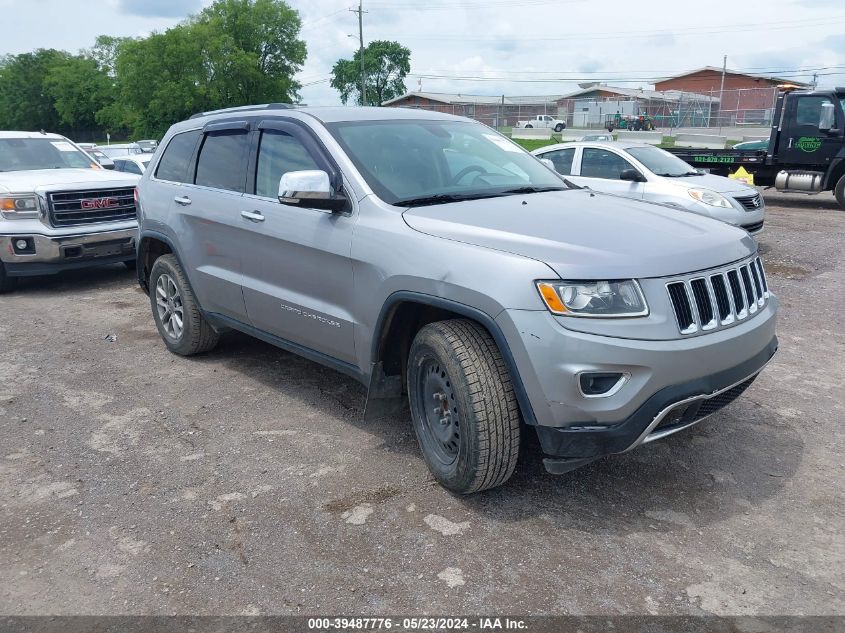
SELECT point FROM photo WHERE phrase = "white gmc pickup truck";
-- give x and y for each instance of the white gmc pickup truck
(59, 209)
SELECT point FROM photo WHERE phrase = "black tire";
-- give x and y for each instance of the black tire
(529, 126)
(131, 264)
(196, 335)
(559, 127)
(455, 370)
(839, 192)
(7, 284)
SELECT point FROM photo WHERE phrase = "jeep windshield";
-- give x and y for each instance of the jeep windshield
(24, 154)
(414, 162)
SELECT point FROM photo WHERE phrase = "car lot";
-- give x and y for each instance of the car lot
(244, 481)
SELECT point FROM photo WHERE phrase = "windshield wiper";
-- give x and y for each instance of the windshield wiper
(531, 189)
(444, 198)
(686, 173)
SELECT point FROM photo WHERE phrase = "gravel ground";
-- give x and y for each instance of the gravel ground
(133, 481)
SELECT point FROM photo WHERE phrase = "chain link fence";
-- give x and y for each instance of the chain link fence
(752, 107)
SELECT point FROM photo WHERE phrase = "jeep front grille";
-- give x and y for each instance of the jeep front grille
(71, 208)
(718, 298)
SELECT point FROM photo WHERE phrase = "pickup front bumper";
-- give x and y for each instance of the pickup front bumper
(31, 254)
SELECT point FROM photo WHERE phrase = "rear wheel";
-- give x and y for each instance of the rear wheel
(839, 192)
(463, 407)
(180, 322)
(6, 283)
(529, 126)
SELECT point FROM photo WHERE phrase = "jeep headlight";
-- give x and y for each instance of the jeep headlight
(594, 298)
(14, 207)
(710, 198)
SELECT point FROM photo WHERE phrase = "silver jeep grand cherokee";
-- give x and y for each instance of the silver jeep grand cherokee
(431, 258)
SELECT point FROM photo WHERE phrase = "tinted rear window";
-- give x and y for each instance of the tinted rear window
(222, 161)
(174, 163)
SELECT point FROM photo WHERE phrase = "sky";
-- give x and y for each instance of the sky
(510, 47)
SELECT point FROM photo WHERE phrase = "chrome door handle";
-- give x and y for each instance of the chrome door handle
(252, 216)
(183, 200)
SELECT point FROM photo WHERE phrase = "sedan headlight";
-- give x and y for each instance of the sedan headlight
(710, 198)
(594, 298)
(19, 207)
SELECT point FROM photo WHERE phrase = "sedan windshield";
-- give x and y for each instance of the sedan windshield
(661, 162)
(410, 162)
(24, 154)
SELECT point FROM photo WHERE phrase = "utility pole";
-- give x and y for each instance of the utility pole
(360, 11)
(815, 80)
(722, 91)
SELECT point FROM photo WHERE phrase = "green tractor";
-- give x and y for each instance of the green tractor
(636, 123)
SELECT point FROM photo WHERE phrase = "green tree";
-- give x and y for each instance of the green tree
(79, 89)
(25, 102)
(235, 52)
(386, 65)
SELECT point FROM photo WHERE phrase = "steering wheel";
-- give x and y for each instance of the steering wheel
(468, 170)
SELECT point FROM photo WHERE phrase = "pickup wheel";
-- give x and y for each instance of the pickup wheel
(7, 283)
(463, 407)
(529, 126)
(559, 127)
(839, 192)
(180, 322)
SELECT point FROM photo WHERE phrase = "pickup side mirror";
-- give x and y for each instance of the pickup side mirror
(312, 189)
(632, 175)
(827, 117)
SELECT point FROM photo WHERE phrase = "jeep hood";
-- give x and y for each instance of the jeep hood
(33, 180)
(588, 235)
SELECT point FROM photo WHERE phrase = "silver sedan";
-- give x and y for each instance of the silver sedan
(638, 170)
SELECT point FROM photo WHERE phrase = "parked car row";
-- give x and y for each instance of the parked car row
(431, 259)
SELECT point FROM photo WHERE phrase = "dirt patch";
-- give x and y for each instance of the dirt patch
(787, 271)
(373, 496)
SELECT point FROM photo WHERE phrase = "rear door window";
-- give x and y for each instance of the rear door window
(222, 160)
(173, 165)
(562, 159)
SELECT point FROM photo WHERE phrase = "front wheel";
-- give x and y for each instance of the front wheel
(463, 407)
(181, 324)
(529, 126)
(839, 192)
(559, 127)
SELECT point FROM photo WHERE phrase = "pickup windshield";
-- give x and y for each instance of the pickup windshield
(413, 162)
(661, 162)
(24, 154)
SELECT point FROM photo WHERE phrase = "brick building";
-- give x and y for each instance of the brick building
(746, 98)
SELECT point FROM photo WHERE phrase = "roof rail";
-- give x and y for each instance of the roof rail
(263, 106)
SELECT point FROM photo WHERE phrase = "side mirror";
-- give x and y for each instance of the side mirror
(548, 163)
(632, 175)
(310, 188)
(827, 117)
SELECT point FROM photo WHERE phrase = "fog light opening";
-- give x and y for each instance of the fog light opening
(23, 246)
(601, 384)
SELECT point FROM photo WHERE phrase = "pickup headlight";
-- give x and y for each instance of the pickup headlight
(710, 198)
(594, 298)
(19, 207)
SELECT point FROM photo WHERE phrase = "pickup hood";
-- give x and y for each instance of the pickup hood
(33, 180)
(588, 235)
(719, 184)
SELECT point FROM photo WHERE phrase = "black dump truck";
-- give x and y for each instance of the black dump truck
(806, 152)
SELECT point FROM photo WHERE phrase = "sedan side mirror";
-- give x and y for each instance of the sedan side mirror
(311, 189)
(548, 163)
(632, 175)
